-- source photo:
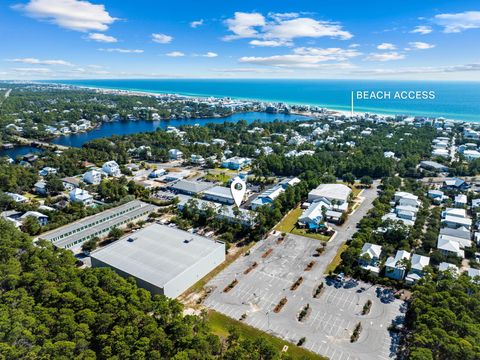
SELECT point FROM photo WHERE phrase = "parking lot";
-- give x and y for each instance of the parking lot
(331, 317)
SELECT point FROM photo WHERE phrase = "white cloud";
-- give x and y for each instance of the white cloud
(281, 29)
(283, 16)
(102, 38)
(422, 29)
(119, 50)
(455, 23)
(210, 54)
(305, 27)
(244, 25)
(270, 43)
(418, 45)
(336, 54)
(175, 54)
(34, 61)
(76, 15)
(388, 56)
(306, 57)
(162, 38)
(386, 46)
(196, 23)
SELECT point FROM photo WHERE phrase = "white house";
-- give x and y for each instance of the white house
(47, 171)
(175, 154)
(444, 266)
(460, 200)
(474, 274)
(455, 218)
(407, 199)
(111, 168)
(157, 173)
(17, 197)
(450, 247)
(197, 159)
(475, 204)
(40, 187)
(418, 263)
(437, 196)
(41, 218)
(313, 215)
(369, 257)
(93, 177)
(219, 142)
(80, 195)
(395, 266)
(236, 163)
(471, 155)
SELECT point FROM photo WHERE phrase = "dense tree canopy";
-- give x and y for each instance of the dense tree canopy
(444, 318)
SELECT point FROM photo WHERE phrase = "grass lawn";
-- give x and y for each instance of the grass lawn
(337, 259)
(288, 225)
(222, 177)
(303, 232)
(220, 324)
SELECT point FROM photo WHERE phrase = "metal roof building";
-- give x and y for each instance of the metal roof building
(72, 235)
(338, 192)
(162, 259)
(190, 187)
(220, 194)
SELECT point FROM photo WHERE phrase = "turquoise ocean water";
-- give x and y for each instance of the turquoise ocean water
(453, 100)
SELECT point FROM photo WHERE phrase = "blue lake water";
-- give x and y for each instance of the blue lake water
(132, 127)
(454, 99)
(19, 151)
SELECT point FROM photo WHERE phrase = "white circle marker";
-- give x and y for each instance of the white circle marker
(238, 187)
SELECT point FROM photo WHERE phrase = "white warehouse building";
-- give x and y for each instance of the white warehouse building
(162, 259)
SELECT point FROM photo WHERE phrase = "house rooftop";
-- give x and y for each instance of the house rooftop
(419, 262)
(372, 250)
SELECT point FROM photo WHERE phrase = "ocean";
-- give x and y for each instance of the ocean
(453, 100)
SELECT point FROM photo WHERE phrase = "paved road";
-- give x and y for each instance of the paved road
(346, 231)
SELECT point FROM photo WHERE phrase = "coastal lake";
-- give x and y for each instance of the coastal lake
(108, 129)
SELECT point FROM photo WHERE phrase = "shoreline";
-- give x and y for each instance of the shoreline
(331, 110)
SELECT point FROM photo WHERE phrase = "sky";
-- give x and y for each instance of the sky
(369, 39)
